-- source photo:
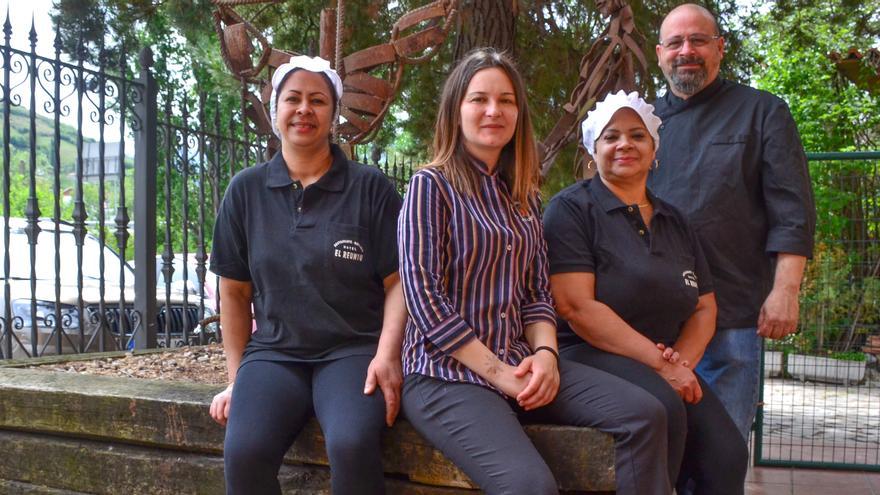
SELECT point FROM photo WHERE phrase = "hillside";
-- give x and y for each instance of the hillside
(19, 139)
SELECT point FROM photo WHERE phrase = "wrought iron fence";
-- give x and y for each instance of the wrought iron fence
(199, 150)
(71, 133)
(821, 386)
(58, 293)
(398, 168)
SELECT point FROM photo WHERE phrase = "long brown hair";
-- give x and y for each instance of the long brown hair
(519, 166)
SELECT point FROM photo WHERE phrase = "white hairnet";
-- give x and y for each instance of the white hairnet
(598, 119)
(312, 64)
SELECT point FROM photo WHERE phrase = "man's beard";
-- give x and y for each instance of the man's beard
(690, 82)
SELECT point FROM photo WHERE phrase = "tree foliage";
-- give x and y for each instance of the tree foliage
(791, 44)
(780, 46)
(551, 37)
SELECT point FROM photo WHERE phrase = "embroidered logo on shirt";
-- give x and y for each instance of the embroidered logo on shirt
(690, 279)
(348, 249)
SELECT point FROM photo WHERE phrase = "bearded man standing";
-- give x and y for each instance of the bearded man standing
(731, 159)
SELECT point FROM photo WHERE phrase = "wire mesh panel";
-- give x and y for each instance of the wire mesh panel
(821, 386)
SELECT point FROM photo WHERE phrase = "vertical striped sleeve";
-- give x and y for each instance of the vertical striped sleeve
(537, 304)
(422, 239)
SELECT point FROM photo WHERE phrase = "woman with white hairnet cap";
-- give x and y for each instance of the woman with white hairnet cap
(308, 238)
(631, 282)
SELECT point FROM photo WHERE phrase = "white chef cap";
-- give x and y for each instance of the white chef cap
(598, 119)
(312, 64)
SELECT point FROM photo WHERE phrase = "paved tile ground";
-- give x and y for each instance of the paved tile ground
(789, 481)
(818, 422)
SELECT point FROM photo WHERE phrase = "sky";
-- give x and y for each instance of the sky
(21, 14)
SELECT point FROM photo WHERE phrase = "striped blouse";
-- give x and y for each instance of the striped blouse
(472, 267)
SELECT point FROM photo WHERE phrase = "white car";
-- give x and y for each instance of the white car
(32, 311)
(191, 285)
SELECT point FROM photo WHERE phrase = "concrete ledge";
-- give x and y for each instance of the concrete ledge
(137, 434)
(16, 488)
(90, 466)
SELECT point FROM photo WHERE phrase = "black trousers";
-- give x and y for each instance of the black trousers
(481, 431)
(703, 440)
(271, 403)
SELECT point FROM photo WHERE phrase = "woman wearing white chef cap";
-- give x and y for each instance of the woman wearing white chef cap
(308, 238)
(631, 282)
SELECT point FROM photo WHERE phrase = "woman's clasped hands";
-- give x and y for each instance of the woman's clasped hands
(542, 372)
(533, 383)
(679, 375)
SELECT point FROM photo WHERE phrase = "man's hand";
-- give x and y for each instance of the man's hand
(779, 314)
(220, 405)
(388, 375)
(543, 373)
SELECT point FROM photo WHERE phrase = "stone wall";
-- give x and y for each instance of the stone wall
(63, 433)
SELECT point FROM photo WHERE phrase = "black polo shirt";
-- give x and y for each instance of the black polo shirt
(651, 278)
(316, 257)
(732, 161)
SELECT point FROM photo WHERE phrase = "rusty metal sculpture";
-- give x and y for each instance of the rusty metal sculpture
(862, 69)
(607, 67)
(414, 39)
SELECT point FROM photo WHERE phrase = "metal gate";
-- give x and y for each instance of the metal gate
(821, 387)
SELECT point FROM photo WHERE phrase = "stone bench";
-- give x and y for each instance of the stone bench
(64, 433)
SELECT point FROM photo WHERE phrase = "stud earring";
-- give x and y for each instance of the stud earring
(656, 164)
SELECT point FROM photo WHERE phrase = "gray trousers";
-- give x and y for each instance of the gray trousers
(271, 403)
(481, 431)
(702, 435)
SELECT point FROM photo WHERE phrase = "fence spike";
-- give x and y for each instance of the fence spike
(57, 42)
(32, 36)
(7, 26)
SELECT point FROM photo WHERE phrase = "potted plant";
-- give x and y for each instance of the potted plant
(773, 358)
(838, 367)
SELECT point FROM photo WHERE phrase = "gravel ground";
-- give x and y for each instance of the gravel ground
(199, 364)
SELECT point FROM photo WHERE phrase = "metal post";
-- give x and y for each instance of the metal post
(7, 95)
(32, 210)
(145, 207)
(122, 217)
(79, 206)
(201, 253)
(168, 253)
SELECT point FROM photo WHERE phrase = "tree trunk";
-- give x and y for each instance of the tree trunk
(486, 23)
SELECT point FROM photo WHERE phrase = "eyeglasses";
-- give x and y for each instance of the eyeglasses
(696, 41)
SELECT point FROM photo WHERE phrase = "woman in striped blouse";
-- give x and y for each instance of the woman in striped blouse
(480, 351)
